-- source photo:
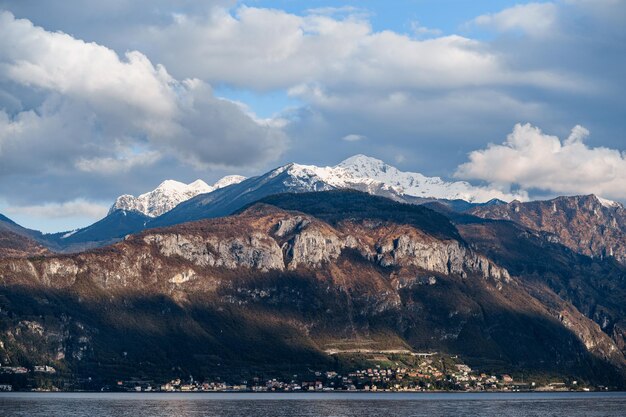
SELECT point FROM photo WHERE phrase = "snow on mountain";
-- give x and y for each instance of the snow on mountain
(228, 180)
(374, 176)
(608, 203)
(358, 172)
(168, 195)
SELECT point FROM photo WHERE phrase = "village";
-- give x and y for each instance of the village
(426, 373)
(387, 371)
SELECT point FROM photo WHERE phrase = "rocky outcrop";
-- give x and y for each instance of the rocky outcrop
(266, 240)
(444, 257)
(256, 251)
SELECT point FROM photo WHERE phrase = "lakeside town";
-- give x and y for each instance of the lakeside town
(430, 373)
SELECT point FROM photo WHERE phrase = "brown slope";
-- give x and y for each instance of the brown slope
(13, 245)
(582, 223)
(596, 287)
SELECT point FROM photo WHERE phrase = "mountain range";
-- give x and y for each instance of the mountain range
(168, 195)
(269, 273)
(174, 202)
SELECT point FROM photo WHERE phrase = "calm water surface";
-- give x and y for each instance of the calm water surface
(322, 404)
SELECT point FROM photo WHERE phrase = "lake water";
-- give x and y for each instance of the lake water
(313, 404)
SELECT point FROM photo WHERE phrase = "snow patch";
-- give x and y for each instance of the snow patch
(608, 203)
(70, 233)
(228, 180)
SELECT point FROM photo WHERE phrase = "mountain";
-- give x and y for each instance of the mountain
(168, 195)
(271, 289)
(365, 173)
(359, 172)
(595, 287)
(173, 202)
(586, 224)
(114, 227)
(16, 241)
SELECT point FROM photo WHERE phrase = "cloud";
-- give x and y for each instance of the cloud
(284, 50)
(75, 208)
(430, 98)
(531, 18)
(532, 159)
(122, 164)
(353, 138)
(92, 111)
(423, 31)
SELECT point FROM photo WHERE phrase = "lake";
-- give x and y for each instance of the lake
(311, 404)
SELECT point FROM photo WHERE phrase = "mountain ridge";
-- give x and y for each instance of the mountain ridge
(586, 224)
(168, 195)
(295, 283)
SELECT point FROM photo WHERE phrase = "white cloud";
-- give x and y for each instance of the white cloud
(266, 49)
(95, 103)
(532, 159)
(531, 18)
(57, 62)
(429, 98)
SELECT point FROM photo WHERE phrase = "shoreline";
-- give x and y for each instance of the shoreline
(317, 393)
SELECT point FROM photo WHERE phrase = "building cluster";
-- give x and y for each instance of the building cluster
(429, 375)
(45, 369)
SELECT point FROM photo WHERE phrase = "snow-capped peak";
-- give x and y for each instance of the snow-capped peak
(171, 185)
(169, 194)
(363, 163)
(165, 197)
(198, 185)
(375, 176)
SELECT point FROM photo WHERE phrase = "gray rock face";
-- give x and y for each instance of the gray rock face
(312, 247)
(444, 257)
(286, 242)
(257, 251)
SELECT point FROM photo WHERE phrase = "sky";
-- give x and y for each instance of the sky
(99, 99)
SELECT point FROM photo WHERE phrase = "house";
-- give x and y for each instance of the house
(44, 369)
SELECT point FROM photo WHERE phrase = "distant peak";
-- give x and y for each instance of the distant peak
(228, 180)
(198, 184)
(171, 184)
(361, 159)
(165, 197)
